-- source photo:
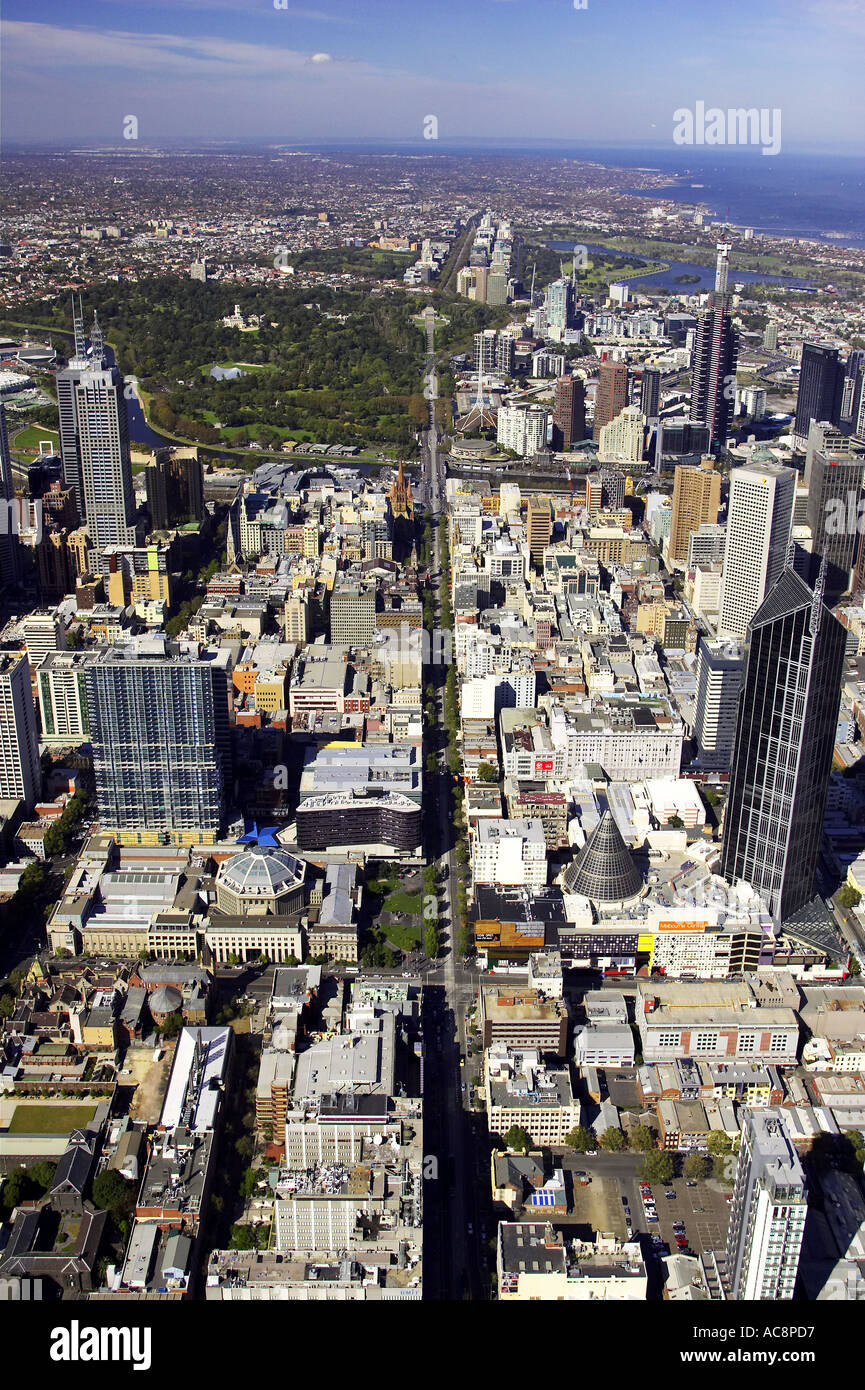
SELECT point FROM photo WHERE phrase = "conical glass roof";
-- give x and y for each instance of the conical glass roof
(604, 871)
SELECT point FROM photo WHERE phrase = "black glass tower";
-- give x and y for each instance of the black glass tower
(785, 734)
(821, 387)
(716, 353)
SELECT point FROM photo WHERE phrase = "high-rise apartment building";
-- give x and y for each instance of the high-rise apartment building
(785, 734)
(821, 387)
(20, 774)
(569, 412)
(523, 429)
(559, 304)
(716, 352)
(759, 519)
(158, 716)
(720, 669)
(696, 501)
(770, 337)
(485, 350)
(505, 353)
(63, 698)
(611, 396)
(767, 1213)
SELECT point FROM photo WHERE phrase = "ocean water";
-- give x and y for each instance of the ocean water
(814, 196)
(820, 197)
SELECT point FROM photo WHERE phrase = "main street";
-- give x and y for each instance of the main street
(455, 1258)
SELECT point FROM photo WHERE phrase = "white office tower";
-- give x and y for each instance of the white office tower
(767, 1213)
(20, 774)
(720, 668)
(759, 520)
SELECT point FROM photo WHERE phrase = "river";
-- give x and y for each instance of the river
(666, 279)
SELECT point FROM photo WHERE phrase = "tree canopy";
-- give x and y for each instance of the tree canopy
(657, 1166)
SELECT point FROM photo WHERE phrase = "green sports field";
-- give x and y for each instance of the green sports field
(50, 1119)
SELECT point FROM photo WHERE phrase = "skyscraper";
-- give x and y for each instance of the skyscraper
(94, 442)
(696, 499)
(505, 353)
(821, 387)
(716, 352)
(10, 557)
(569, 412)
(158, 717)
(785, 734)
(539, 527)
(759, 518)
(851, 392)
(720, 668)
(650, 399)
(352, 615)
(485, 346)
(833, 477)
(175, 489)
(611, 396)
(20, 774)
(767, 1213)
(623, 440)
(559, 304)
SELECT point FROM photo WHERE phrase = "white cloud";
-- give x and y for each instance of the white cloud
(321, 57)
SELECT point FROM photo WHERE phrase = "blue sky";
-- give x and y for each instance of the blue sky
(329, 70)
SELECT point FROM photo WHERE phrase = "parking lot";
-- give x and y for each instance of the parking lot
(703, 1209)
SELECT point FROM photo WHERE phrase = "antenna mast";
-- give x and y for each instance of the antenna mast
(78, 327)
